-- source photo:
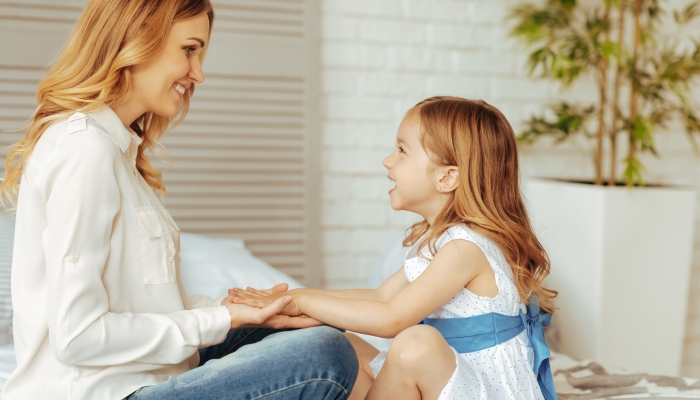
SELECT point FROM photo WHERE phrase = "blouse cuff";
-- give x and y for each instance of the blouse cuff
(214, 325)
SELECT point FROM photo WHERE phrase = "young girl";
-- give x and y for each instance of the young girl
(473, 275)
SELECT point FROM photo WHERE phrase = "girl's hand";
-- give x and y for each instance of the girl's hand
(262, 299)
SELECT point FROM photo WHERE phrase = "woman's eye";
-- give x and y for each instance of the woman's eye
(189, 50)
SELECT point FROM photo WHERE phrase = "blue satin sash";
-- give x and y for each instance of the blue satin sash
(487, 330)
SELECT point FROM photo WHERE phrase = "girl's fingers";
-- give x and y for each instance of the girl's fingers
(275, 307)
(277, 289)
(254, 290)
(244, 294)
(251, 292)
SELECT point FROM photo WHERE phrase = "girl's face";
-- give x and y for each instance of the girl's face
(416, 176)
(158, 84)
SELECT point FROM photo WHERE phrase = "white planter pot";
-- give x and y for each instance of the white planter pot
(621, 262)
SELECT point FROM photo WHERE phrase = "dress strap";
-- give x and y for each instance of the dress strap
(481, 332)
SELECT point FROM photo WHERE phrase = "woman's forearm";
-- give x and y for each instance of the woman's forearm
(367, 316)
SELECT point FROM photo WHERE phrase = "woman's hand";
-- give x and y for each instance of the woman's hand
(244, 316)
(277, 289)
(263, 298)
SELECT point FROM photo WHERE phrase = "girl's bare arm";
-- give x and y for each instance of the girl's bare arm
(455, 265)
(390, 288)
(387, 291)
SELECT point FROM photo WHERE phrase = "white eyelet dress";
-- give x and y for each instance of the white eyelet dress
(504, 371)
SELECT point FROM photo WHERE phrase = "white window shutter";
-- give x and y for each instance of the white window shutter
(244, 161)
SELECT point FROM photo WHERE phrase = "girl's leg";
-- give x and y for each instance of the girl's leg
(306, 364)
(365, 353)
(419, 364)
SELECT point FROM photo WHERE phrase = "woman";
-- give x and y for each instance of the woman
(100, 312)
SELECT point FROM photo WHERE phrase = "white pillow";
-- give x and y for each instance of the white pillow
(211, 266)
(388, 262)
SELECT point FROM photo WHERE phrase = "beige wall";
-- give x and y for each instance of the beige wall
(379, 58)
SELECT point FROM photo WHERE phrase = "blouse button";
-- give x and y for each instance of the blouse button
(73, 259)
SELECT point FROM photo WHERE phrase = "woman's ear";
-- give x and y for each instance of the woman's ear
(448, 179)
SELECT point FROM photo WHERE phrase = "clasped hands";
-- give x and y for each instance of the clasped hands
(272, 308)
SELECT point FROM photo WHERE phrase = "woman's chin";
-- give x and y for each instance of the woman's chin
(167, 112)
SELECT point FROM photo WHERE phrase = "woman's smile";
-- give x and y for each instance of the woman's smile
(180, 90)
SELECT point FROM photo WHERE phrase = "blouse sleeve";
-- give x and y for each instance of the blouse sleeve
(80, 186)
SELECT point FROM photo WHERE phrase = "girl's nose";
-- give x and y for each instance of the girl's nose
(387, 162)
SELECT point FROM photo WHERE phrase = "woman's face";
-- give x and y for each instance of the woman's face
(158, 84)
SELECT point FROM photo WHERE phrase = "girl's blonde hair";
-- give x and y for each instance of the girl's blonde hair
(93, 70)
(476, 138)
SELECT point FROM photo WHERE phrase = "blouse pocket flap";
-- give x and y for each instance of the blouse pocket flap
(155, 222)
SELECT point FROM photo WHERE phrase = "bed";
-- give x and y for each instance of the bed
(210, 266)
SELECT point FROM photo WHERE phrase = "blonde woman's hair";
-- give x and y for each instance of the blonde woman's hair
(93, 70)
(476, 138)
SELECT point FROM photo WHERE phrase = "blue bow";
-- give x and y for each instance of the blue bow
(535, 320)
(480, 332)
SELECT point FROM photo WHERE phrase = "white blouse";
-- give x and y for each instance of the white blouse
(99, 307)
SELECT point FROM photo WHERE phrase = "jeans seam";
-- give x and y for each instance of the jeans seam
(233, 346)
(303, 383)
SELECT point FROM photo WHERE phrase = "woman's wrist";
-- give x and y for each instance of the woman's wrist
(234, 320)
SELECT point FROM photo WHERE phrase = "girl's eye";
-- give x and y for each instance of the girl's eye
(400, 149)
(189, 50)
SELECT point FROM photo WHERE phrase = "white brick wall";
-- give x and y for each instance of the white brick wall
(380, 57)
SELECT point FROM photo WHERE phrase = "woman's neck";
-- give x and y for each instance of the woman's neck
(127, 111)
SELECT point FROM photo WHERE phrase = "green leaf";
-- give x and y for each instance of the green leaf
(563, 122)
(633, 174)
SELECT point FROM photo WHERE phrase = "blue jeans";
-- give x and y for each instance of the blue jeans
(315, 363)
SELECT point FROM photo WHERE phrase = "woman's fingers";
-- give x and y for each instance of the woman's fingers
(256, 303)
(285, 321)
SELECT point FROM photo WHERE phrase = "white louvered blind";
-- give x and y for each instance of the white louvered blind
(243, 160)
(31, 33)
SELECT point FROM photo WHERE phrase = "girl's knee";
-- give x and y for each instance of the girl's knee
(415, 344)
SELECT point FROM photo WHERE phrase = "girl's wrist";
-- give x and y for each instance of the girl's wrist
(301, 299)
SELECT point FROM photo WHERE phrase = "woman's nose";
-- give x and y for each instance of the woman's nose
(196, 73)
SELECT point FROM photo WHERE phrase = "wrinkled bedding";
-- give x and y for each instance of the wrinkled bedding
(588, 380)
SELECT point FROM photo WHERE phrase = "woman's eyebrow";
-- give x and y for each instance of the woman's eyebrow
(201, 42)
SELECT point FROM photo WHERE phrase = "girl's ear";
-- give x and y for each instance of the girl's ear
(448, 179)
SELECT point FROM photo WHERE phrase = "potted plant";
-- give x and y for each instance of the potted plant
(620, 248)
